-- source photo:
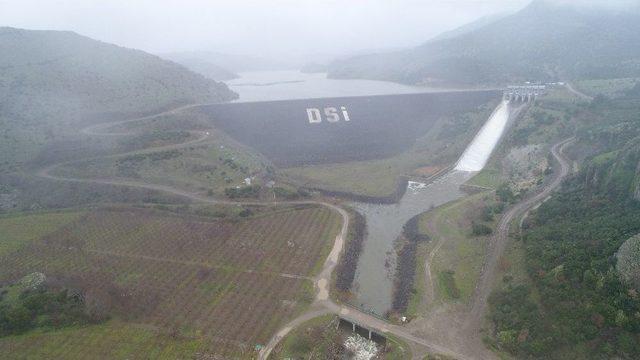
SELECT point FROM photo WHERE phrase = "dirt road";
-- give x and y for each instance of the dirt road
(501, 238)
(577, 92)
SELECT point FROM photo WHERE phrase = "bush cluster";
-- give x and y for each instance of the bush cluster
(346, 270)
(40, 308)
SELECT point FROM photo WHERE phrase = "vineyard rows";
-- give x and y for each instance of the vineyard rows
(218, 280)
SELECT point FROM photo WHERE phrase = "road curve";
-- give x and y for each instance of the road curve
(577, 92)
(501, 237)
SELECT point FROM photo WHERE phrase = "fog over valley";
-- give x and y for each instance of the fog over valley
(284, 30)
(326, 180)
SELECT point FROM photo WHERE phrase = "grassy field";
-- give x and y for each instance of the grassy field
(213, 166)
(112, 340)
(218, 287)
(370, 178)
(489, 177)
(19, 231)
(313, 339)
(512, 267)
(458, 262)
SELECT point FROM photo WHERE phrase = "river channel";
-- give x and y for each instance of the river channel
(373, 285)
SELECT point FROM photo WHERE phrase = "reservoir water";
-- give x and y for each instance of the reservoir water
(287, 85)
(373, 283)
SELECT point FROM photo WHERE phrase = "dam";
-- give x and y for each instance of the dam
(300, 132)
(323, 130)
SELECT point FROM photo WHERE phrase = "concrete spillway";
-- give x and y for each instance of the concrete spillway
(477, 154)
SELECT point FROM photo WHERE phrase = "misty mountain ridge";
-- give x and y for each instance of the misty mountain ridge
(544, 41)
(201, 66)
(229, 62)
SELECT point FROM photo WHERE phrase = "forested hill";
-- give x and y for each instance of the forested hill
(613, 132)
(45, 73)
(541, 42)
(52, 83)
(582, 298)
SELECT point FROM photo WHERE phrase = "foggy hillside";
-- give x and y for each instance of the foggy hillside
(201, 66)
(202, 60)
(54, 65)
(52, 79)
(543, 41)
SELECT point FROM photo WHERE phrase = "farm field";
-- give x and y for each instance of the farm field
(18, 231)
(174, 284)
(377, 127)
(112, 340)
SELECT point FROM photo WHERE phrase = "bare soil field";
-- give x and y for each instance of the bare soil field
(377, 126)
(224, 285)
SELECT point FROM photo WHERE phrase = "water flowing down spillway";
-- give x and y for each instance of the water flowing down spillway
(477, 154)
(373, 286)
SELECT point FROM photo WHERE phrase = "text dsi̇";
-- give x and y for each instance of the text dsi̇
(330, 114)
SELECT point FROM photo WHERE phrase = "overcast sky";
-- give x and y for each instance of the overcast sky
(267, 28)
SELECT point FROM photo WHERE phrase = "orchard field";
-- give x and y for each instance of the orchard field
(194, 285)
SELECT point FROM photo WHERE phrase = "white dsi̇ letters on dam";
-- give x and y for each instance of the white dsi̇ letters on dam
(477, 154)
(331, 115)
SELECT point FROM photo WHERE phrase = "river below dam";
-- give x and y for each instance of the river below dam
(373, 284)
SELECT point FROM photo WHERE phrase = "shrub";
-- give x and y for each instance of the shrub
(286, 194)
(505, 194)
(628, 264)
(479, 229)
(243, 192)
(44, 307)
(346, 270)
(448, 283)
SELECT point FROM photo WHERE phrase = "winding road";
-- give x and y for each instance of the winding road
(501, 235)
(322, 303)
(577, 92)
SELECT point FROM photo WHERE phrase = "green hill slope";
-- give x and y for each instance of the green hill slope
(53, 82)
